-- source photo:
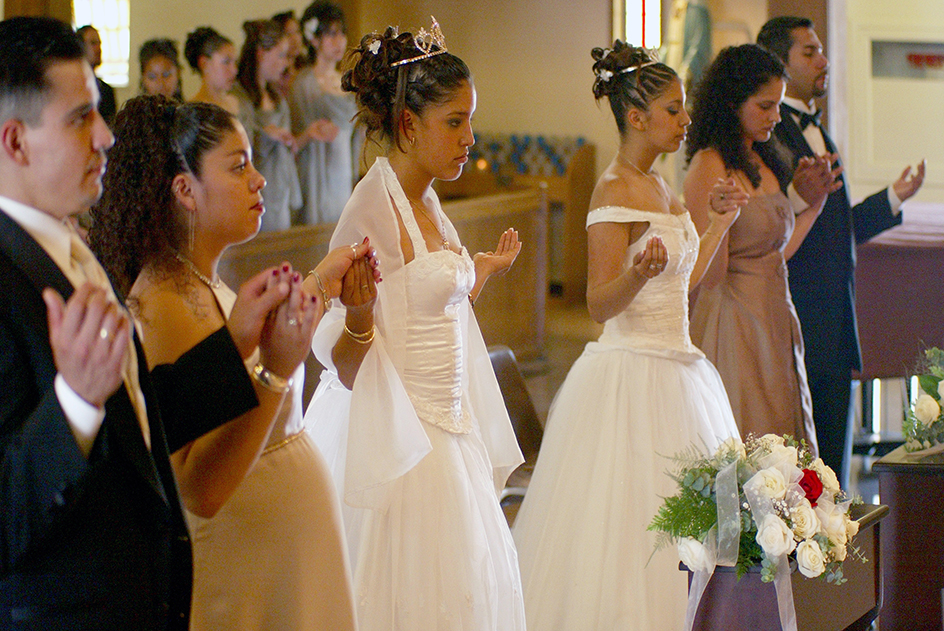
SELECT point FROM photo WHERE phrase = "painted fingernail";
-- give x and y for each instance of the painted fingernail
(296, 277)
(285, 267)
(275, 272)
(313, 299)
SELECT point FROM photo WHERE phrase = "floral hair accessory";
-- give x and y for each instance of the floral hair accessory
(310, 27)
(374, 46)
(604, 75)
(425, 41)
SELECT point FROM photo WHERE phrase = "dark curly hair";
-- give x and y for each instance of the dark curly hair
(136, 222)
(327, 13)
(385, 91)
(203, 42)
(260, 35)
(736, 74)
(626, 76)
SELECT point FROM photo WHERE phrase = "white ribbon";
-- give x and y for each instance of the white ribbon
(723, 540)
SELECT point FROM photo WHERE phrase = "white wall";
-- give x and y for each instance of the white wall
(892, 122)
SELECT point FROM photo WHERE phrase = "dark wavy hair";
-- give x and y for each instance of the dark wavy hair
(203, 42)
(776, 35)
(736, 74)
(260, 35)
(622, 78)
(137, 222)
(327, 13)
(385, 91)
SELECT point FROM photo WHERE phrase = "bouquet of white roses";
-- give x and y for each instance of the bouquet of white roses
(924, 422)
(766, 501)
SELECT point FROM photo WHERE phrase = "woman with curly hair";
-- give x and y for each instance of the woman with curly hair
(641, 392)
(213, 56)
(743, 318)
(326, 167)
(264, 517)
(408, 408)
(160, 69)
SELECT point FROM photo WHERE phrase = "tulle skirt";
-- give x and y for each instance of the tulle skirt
(600, 478)
(273, 558)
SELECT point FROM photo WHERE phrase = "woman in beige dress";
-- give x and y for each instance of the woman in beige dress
(743, 317)
(265, 520)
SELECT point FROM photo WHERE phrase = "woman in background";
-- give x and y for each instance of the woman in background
(640, 394)
(264, 516)
(408, 411)
(265, 115)
(160, 69)
(213, 56)
(743, 318)
(326, 167)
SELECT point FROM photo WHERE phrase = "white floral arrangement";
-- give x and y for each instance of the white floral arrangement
(924, 422)
(765, 502)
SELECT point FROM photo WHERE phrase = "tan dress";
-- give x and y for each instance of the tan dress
(274, 557)
(747, 325)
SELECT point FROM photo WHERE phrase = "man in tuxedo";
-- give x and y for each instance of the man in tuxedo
(822, 272)
(107, 104)
(92, 534)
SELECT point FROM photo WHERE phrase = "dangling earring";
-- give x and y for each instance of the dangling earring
(412, 141)
(192, 229)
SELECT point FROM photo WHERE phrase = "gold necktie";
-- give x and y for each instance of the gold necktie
(87, 266)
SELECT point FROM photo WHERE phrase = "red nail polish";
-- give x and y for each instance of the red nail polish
(285, 268)
(313, 299)
(296, 277)
(275, 272)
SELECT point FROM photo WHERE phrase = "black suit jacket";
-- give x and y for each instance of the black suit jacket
(96, 543)
(822, 272)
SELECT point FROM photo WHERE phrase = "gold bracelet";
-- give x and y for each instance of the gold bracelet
(270, 380)
(321, 288)
(471, 302)
(361, 338)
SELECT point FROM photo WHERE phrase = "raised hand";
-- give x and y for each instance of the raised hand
(257, 297)
(501, 260)
(725, 201)
(815, 178)
(359, 290)
(323, 130)
(286, 336)
(651, 261)
(908, 184)
(89, 340)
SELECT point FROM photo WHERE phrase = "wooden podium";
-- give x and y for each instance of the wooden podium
(912, 540)
(751, 605)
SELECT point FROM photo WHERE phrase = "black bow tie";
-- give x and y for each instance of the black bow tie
(806, 119)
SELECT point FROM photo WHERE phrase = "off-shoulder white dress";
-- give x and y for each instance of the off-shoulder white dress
(640, 393)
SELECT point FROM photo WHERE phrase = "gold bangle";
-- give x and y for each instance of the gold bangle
(471, 302)
(361, 338)
(321, 288)
(270, 380)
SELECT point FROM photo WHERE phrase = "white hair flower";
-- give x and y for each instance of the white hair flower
(310, 27)
(604, 75)
(374, 46)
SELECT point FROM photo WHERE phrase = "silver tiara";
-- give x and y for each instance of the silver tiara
(424, 43)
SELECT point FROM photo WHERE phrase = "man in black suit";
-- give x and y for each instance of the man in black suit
(92, 535)
(107, 104)
(822, 272)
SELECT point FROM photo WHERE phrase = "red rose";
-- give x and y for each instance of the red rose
(811, 485)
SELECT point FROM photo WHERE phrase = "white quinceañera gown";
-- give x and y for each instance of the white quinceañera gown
(422, 444)
(640, 394)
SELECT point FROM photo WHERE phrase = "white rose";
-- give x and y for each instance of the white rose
(785, 454)
(826, 475)
(774, 537)
(926, 409)
(693, 554)
(772, 483)
(810, 559)
(733, 445)
(834, 524)
(839, 553)
(804, 520)
(940, 389)
(771, 440)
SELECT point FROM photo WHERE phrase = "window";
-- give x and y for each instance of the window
(638, 22)
(111, 19)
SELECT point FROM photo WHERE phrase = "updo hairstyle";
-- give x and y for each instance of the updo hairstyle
(628, 77)
(203, 42)
(137, 222)
(385, 91)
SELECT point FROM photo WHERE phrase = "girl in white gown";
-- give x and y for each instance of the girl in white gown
(640, 393)
(408, 413)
